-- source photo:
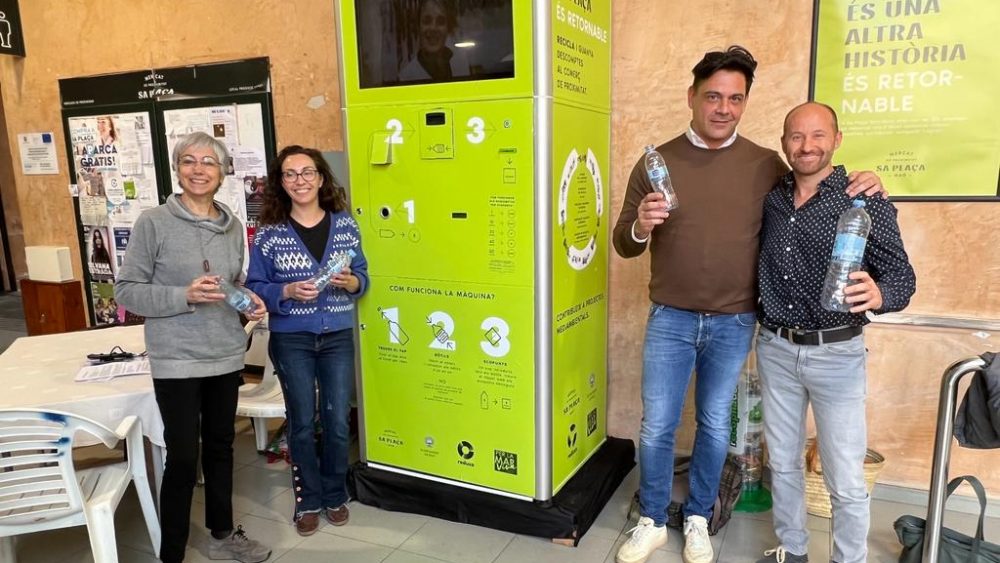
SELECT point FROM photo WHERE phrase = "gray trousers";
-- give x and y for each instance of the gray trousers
(832, 378)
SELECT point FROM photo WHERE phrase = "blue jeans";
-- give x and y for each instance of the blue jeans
(677, 342)
(832, 378)
(303, 362)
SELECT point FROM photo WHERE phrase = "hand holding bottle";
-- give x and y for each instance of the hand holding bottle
(204, 289)
(300, 291)
(652, 211)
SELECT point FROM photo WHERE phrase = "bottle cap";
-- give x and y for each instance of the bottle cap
(650, 148)
(858, 203)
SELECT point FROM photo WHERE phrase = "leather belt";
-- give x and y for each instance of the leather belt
(815, 337)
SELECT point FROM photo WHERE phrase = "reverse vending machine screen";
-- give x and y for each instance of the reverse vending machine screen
(410, 42)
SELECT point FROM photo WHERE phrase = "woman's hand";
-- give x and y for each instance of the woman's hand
(300, 291)
(204, 289)
(259, 310)
(346, 280)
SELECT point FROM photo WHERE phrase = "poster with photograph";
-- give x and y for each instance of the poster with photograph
(113, 159)
(106, 309)
(99, 262)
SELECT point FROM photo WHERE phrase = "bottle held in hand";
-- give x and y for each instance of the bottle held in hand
(656, 169)
(336, 264)
(848, 251)
(236, 297)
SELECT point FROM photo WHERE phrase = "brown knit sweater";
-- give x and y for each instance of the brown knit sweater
(704, 257)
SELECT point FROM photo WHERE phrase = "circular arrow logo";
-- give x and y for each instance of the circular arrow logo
(465, 450)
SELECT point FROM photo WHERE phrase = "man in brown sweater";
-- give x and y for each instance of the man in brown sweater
(703, 291)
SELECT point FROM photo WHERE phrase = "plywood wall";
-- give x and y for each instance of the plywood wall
(954, 248)
(67, 38)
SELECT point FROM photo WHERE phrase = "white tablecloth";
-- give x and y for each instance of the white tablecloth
(38, 372)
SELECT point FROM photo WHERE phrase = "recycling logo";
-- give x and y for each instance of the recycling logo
(571, 437)
(465, 450)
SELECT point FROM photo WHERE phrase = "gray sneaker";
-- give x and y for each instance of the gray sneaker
(779, 555)
(238, 547)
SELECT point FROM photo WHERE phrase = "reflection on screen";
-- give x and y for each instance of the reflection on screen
(403, 42)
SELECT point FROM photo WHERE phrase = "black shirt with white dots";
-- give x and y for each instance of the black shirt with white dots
(796, 245)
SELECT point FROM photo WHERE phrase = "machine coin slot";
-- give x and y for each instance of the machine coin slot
(459, 215)
(385, 212)
(437, 135)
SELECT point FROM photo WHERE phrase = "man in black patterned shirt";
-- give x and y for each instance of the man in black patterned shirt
(806, 354)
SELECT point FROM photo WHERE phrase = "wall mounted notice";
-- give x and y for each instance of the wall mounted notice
(910, 80)
(38, 153)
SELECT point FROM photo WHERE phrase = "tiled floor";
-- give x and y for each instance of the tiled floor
(263, 505)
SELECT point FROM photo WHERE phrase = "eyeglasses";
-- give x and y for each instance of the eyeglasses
(190, 161)
(291, 176)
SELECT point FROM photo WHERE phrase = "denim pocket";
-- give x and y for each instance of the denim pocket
(745, 319)
(653, 309)
(766, 335)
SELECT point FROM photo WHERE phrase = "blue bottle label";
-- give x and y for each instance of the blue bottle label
(849, 247)
(657, 174)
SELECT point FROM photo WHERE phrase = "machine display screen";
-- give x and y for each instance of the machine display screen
(411, 42)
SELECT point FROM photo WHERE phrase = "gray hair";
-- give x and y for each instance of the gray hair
(200, 140)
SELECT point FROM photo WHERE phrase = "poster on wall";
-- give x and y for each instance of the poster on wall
(113, 161)
(909, 80)
(100, 264)
(241, 128)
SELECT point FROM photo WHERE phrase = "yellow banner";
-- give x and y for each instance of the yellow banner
(916, 87)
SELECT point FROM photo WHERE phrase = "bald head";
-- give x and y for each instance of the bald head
(814, 106)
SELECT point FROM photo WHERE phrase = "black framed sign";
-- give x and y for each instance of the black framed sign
(914, 83)
(11, 37)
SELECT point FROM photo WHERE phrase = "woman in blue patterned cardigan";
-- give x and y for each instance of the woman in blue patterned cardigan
(305, 223)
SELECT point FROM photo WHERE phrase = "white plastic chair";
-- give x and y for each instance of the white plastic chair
(263, 400)
(41, 490)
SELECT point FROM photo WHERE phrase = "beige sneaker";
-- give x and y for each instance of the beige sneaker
(697, 545)
(645, 539)
(238, 547)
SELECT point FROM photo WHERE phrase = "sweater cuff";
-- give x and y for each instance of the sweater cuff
(635, 238)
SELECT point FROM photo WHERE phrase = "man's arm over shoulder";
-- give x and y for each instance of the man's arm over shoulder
(638, 186)
(886, 259)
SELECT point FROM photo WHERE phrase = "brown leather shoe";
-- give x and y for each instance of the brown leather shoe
(338, 516)
(307, 523)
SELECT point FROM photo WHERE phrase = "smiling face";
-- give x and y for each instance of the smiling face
(295, 173)
(717, 106)
(433, 26)
(196, 178)
(810, 139)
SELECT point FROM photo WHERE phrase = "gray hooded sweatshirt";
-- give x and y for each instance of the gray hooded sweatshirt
(169, 248)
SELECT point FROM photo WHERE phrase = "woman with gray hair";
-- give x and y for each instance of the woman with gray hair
(176, 257)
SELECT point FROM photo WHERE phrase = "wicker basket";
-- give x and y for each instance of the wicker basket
(817, 497)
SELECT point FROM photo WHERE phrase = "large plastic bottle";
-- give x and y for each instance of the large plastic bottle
(337, 262)
(848, 252)
(659, 177)
(236, 297)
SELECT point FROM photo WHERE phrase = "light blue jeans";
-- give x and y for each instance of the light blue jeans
(832, 377)
(677, 342)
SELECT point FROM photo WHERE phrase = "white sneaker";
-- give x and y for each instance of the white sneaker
(697, 545)
(646, 538)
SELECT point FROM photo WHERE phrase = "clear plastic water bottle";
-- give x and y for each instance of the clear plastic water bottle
(848, 251)
(337, 262)
(659, 177)
(236, 297)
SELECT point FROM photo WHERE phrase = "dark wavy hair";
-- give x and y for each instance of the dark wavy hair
(735, 58)
(277, 205)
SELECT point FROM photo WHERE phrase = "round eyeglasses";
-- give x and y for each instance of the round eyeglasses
(291, 176)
